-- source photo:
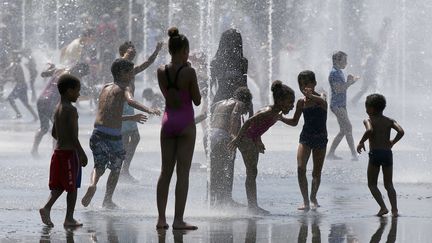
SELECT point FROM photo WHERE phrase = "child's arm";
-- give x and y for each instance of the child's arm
(140, 118)
(135, 104)
(150, 60)
(299, 110)
(53, 131)
(399, 135)
(235, 123)
(49, 71)
(320, 99)
(257, 118)
(75, 141)
(366, 136)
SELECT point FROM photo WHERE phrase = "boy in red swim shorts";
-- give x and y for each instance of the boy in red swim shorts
(69, 156)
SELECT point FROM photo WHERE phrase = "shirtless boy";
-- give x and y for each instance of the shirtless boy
(68, 152)
(378, 131)
(106, 140)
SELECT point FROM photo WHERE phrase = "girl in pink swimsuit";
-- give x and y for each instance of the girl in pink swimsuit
(249, 141)
(178, 83)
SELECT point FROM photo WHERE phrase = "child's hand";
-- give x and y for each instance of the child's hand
(260, 146)
(360, 146)
(140, 118)
(233, 144)
(156, 112)
(83, 159)
(352, 79)
(159, 46)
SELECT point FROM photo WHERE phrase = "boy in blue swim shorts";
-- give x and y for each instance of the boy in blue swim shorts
(106, 140)
(378, 131)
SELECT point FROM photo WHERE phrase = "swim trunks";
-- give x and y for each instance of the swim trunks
(383, 157)
(65, 171)
(107, 147)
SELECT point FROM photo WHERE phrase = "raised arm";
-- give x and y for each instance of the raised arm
(150, 60)
(399, 135)
(193, 88)
(299, 110)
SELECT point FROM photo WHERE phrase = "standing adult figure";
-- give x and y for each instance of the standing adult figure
(178, 83)
(339, 87)
(229, 67)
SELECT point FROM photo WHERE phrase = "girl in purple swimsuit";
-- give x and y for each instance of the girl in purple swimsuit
(178, 83)
(249, 141)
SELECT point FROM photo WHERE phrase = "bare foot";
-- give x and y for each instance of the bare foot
(395, 213)
(382, 212)
(333, 157)
(181, 225)
(314, 204)
(45, 216)
(85, 201)
(304, 207)
(72, 223)
(258, 210)
(109, 205)
(161, 224)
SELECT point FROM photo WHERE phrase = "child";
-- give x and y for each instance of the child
(339, 86)
(378, 131)
(313, 138)
(69, 156)
(106, 140)
(130, 132)
(16, 72)
(178, 84)
(249, 141)
(225, 124)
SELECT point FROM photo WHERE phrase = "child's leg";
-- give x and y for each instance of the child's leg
(250, 158)
(130, 143)
(318, 156)
(185, 150)
(168, 149)
(388, 184)
(45, 211)
(346, 128)
(372, 174)
(14, 106)
(303, 154)
(71, 201)
(339, 136)
(110, 187)
(24, 99)
(44, 128)
(94, 178)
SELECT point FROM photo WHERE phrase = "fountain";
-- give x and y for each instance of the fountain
(281, 38)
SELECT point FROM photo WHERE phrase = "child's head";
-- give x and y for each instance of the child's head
(69, 86)
(375, 104)
(244, 95)
(127, 46)
(178, 43)
(306, 79)
(339, 59)
(121, 70)
(148, 93)
(283, 96)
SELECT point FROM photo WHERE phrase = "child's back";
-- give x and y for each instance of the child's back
(381, 130)
(110, 107)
